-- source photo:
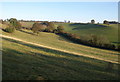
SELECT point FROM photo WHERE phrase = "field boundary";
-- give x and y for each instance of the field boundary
(84, 55)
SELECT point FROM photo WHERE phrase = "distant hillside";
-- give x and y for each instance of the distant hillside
(81, 29)
(84, 29)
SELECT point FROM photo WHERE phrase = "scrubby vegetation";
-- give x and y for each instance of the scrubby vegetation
(37, 27)
(15, 23)
(9, 29)
(92, 40)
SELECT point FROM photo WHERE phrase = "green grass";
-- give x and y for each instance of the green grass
(23, 61)
(52, 40)
(108, 31)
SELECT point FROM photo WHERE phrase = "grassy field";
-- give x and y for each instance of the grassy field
(82, 29)
(52, 40)
(108, 31)
(23, 61)
(28, 62)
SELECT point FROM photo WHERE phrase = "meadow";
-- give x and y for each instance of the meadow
(109, 32)
(22, 61)
(55, 41)
(83, 29)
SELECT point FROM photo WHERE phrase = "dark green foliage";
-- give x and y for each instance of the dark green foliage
(92, 40)
(92, 21)
(118, 47)
(55, 31)
(50, 26)
(105, 22)
(15, 23)
(48, 29)
(60, 28)
(37, 27)
(10, 29)
(109, 46)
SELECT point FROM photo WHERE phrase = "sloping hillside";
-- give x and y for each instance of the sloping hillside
(55, 41)
(23, 61)
(81, 29)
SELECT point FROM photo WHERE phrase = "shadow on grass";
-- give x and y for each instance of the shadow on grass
(73, 64)
(44, 65)
(26, 32)
(86, 26)
(116, 42)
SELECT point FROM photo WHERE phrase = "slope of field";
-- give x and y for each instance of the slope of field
(55, 41)
(108, 31)
(56, 49)
(23, 61)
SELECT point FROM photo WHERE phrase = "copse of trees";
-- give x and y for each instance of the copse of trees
(105, 22)
(45, 26)
(9, 29)
(50, 26)
(38, 27)
(92, 21)
(15, 23)
(60, 29)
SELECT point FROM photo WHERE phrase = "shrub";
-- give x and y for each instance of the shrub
(109, 46)
(55, 31)
(105, 22)
(15, 23)
(10, 29)
(50, 26)
(60, 28)
(37, 27)
(48, 29)
(118, 47)
(92, 21)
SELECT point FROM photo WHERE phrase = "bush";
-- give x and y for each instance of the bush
(109, 46)
(48, 29)
(37, 27)
(118, 47)
(15, 23)
(92, 21)
(60, 28)
(10, 29)
(105, 22)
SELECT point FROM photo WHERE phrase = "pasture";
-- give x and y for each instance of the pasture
(83, 29)
(55, 41)
(23, 61)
